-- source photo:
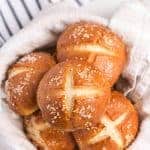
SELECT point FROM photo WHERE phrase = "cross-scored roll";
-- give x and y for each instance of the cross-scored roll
(95, 43)
(73, 95)
(117, 128)
(44, 136)
(23, 79)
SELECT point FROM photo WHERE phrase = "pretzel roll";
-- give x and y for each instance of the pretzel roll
(116, 129)
(40, 61)
(44, 137)
(73, 95)
(23, 79)
(95, 43)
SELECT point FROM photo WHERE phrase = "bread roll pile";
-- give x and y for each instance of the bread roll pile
(72, 104)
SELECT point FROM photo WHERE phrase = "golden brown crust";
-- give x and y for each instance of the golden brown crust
(95, 43)
(23, 79)
(116, 130)
(36, 60)
(44, 136)
(73, 95)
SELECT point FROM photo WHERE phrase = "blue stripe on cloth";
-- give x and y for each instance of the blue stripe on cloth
(5, 23)
(14, 14)
(78, 2)
(38, 4)
(27, 9)
(2, 37)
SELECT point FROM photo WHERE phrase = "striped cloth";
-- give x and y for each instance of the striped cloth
(15, 14)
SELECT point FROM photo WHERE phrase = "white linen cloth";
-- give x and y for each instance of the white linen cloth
(132, 22)
(44, 30)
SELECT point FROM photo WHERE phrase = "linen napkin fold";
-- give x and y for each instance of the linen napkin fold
(132, 22)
